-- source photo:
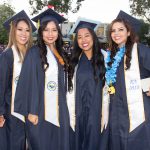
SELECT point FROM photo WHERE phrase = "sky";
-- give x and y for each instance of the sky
(99, 10)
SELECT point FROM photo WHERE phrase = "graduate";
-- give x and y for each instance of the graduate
(127, 64)
(20, 40)
(86, 78)
(42, 87)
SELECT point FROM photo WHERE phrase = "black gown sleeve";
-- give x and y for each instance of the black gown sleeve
(6, 68)
(144, 56)
(3, 82)
(27, 93)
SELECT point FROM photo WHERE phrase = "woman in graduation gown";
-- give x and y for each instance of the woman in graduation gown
(86, 79)
(128, 62)
(42, 87)
(20, 40)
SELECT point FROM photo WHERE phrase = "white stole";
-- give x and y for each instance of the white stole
(134, 92)
(71, 102)
(16, 73)
(105, 102)
(105, 107)
(51, 90)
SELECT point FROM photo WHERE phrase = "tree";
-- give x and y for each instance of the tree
(144, 33)
(141, 8)
(62, 6)
(6, 11)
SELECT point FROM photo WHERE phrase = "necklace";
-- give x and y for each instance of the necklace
(111, 71)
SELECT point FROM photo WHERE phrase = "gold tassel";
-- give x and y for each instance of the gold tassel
(111, 89)
(38, 24)
(11, 24)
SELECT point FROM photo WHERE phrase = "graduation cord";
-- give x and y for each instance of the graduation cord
(57, 55)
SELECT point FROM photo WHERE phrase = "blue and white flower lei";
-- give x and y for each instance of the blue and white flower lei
(111, 71)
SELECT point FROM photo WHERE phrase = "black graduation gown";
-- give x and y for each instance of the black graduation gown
(120, 138)
(88, 107)
(30, 89)
(14, 127)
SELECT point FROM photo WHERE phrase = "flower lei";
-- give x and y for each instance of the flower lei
(111, 71)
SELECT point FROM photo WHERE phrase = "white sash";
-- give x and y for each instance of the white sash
(51, 90)
(134, 92)
(16, 72)
(105, 107)
(71, 102)
(105, 102)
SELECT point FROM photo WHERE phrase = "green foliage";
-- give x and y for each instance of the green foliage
(144, 33)
(6, 11)
(62, 6)
(141, 8)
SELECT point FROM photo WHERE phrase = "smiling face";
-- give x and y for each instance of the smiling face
(85, 40)
(22, 33)
(50, 33)
(119, 33)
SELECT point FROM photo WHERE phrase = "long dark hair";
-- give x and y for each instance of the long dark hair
(42, 45)
(97, 59)
(129, 44)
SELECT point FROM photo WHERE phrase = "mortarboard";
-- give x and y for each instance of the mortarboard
(21, 15)
(48, 15)
(135, 23)
(84, 23)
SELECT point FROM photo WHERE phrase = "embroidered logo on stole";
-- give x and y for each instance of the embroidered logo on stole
(16, 72)
(51, 90)
(134, 92)
(52, 85)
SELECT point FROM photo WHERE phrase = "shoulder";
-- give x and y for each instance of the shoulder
(33, 52)
(7, 55)
(7, 52)
(143, 49)
(105, 53)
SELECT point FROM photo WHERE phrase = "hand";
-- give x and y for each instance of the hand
(148, 93)
(2, 121)
(33, 119)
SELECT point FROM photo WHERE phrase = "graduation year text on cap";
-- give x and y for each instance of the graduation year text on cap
(48, 15)
(21, 15)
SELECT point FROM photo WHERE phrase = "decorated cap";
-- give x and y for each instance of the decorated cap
(135, 23)
(48, 15)
(21, 15)
(84, 23)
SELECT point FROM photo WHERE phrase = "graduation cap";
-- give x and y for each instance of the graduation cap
(21, 15)
(48, 15)
(135, 23)
(84, 23)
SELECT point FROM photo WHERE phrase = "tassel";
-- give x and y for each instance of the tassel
(38, 24)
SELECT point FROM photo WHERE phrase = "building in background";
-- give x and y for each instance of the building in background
(102, 31)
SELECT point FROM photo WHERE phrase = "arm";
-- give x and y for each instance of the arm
(144, 53)
(27, 99)
(3, 82)
(3, 85)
